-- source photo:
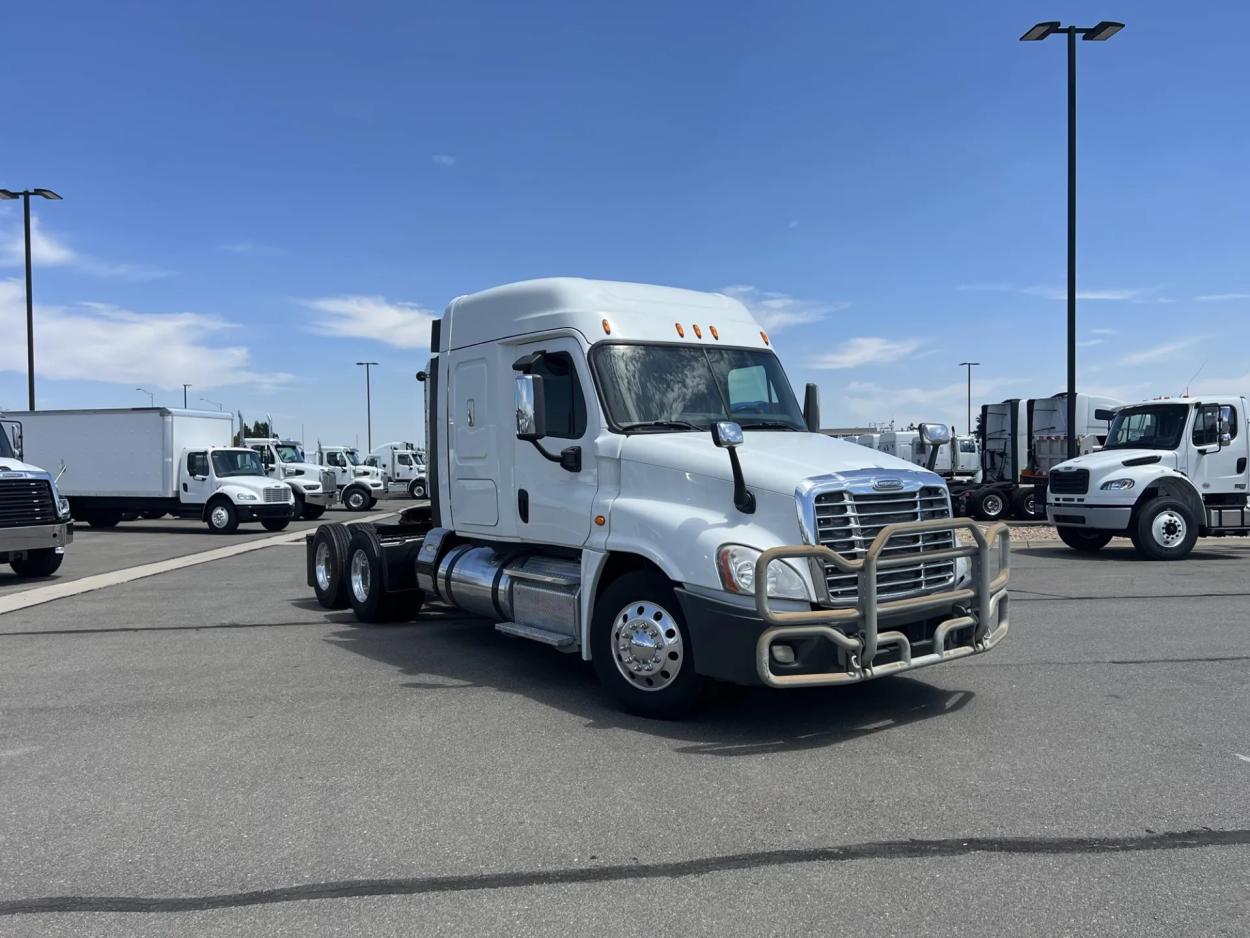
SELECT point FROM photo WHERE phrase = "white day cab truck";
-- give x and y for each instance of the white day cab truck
(154, 461)
(1170, 471)
(314, 487)
(359, 486)
(623, 472)
(35, 525)
(401, 464)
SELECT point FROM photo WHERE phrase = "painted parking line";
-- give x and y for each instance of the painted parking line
(46, 594)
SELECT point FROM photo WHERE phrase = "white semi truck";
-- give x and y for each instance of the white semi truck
(313, 486)
(957, 459)
(359, 486)
(401, 463)
(1169, 472)
(155, 461)
(35, 525)
(623, 472)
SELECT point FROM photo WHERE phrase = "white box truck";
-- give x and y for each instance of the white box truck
(1169, 472)
(623, 472)
(35, 525)
(155, 461)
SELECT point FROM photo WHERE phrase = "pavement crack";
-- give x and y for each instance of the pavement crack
(422, 885)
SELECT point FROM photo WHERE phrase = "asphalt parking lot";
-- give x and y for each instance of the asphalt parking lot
(207, 751)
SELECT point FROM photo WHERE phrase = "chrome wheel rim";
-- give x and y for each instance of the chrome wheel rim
(360, 576)
(321, 565)
(356, 500)
(647, 646)
(1030, 504)
(219, 516)
(1168, 529)
(992, 505)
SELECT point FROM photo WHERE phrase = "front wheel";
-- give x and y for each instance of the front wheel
(311, 512)
(1165, 529)
(297, 510)
(416, 488)
(38, 563)
(222, 517)
(275, 524)
(1085, 541)
(641, 648)
(356, 499)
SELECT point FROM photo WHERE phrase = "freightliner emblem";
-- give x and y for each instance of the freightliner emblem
(887, 485)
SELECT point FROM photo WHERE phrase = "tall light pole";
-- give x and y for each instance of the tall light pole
(1101, 32)
(216, 404)
(969, 366)
(184, 395)
(368, 404)
(151, 399)
(25, 195)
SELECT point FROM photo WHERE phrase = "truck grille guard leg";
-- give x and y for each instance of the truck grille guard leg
(986, 600)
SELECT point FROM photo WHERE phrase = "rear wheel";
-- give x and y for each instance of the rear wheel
(1165, 529)
(104, 519)
(38, 563)
(366, 585)
(990, 506)
(1084, 541)
(222, 517)
(329, 565)
(1025, 505)
(641, 648)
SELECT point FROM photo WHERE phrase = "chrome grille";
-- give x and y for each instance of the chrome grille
(276, 494)
(327, 481)
(26, 502)
(847, 522)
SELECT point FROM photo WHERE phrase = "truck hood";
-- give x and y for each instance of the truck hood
(772, 460)
(1114, 459)
(16, 465)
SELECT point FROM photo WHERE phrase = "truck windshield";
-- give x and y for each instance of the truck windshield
(289, 453)
(353, 457)
(1151, 426)
(674, 388)
(236, 462)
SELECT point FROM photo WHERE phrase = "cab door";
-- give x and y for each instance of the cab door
(196, 483)
(1218, 449)
(554, 505)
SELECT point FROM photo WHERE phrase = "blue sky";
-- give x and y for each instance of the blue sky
(258, 195)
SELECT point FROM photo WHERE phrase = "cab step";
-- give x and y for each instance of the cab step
(556, 640)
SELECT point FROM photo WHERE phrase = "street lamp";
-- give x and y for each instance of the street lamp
(1099, 33)
(151, 399)
(368, 403)
(25, 195)
(969, 366)
(216, 404)
(184, 395)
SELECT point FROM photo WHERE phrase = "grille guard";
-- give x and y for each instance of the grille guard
(987, 597)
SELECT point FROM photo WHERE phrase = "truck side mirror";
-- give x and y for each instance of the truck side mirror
(531, 417)
(728, 435)
(1103, 414)
(811, 408)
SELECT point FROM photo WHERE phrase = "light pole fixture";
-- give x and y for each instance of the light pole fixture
(368, 403)
(969, 366)
(1098, 33)
(151, 399)
(184, 395)
(25, 195)
(216, 404)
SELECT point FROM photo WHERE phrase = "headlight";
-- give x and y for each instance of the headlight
(1117, 485)
(312, 487)
(362, 471)
(62, 506)
(246, 497)
(736, 564)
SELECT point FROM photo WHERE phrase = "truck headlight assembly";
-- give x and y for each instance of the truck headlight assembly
(246, 497)
(62, 506)
(1116, 485)
(736, 563)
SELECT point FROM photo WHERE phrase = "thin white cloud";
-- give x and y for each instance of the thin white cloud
(794, 223)
(776, 311)
(1090, 343)
(871, 402)
(1104, 331)
(46, 250)
(867, 350)
(1160, 352)
(443, 159)
(1061, 293)
(102, 342)
(1221, 297)
(403, 325)
(251, 249)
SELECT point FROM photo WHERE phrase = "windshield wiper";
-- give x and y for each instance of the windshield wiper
(661, 425)
(768, 425)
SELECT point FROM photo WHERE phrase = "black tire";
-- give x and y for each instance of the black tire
(1165, 529)
(356, 498)
(104, 519)
(151, 514)
(1025, 506)
(312, 512)
(38, 563)
(1085, 541)
(298, 509)
(372, 501)
(329, 562)
(416, 488)
(991, 505)
(221, 516)
(644, 601)
(275, 524)
(363, 579)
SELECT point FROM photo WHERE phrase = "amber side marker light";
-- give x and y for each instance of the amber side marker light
(607, 327)
(681, 330)
(698, 331)
(600, 520)
(764, 336)
(715, 334)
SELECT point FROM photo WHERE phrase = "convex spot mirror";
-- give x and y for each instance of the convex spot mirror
(936, 433)
(726, 434)
(530, 409)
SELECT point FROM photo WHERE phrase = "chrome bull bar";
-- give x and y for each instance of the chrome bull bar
(986, 599)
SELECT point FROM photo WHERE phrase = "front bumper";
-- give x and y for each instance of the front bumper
(847, 645)
(17, 542)
(324, 499)
(1082, 514)
(264, 512)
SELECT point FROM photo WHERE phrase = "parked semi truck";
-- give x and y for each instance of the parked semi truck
(35, 525)
(401, 463)
(155, 461)
(623, 472)
(359, 486)
(1169, 472)
(957, 459)
(314, 487)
